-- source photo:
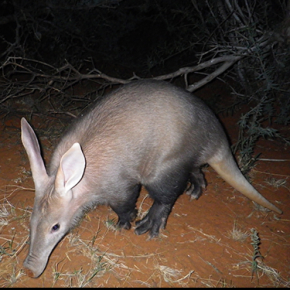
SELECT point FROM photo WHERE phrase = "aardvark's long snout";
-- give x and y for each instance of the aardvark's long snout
(34, 266)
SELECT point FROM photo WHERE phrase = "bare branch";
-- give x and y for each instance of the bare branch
(228, 60)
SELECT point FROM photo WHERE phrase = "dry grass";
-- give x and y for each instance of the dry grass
(237, 234)
(103, 267)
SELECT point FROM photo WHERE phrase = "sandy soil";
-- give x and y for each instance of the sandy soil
(207, 243)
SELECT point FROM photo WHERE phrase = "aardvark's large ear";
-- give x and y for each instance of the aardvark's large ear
(70, 171)
(31, 145)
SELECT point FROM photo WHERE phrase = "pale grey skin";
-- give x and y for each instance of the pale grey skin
(146, 133)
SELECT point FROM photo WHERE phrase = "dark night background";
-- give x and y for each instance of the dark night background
(148, 38)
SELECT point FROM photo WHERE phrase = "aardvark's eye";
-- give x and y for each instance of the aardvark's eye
(55, 228)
